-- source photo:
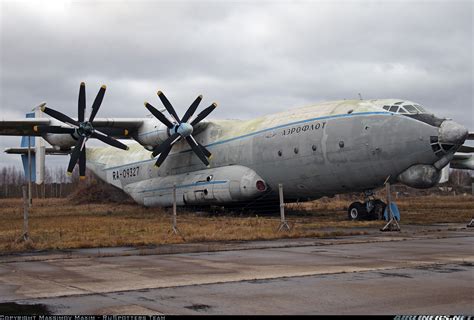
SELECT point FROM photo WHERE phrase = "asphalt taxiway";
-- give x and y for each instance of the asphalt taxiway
(423, 270)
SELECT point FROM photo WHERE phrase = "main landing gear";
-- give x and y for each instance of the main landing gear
(371, 209)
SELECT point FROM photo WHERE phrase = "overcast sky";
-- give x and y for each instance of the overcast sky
(253, 59)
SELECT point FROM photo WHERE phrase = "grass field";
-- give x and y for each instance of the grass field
(60, 224)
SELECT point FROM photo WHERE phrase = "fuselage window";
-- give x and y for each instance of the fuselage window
(393, 109)
(410, 108)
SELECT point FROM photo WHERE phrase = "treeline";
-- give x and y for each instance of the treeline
(57, 184)
(460, 178)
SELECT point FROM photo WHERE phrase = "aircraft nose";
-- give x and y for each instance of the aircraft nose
(451, 132)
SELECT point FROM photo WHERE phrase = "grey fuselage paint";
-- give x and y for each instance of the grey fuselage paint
(311, 157)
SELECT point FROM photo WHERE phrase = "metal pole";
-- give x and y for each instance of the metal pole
(282, 203)
(472, 185)
(30, 202)
(25, 214)
(392, 224)
(283, 223)
(174, 209)
(389, 200)
(175, 223)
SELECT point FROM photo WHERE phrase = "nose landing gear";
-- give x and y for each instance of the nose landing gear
(371, 209)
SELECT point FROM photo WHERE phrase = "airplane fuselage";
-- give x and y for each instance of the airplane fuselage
(322, 150)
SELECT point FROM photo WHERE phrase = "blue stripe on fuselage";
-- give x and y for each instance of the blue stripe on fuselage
(197, 184)
(265, 130)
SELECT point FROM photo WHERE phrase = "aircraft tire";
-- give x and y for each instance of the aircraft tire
(357, 211)
(379, 208)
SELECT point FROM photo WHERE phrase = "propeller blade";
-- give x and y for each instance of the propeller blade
(466, 149)
(97, 102)
(160, 116)
(75, 154)
(109, 140)
(53, 129)
(59, 116)
(192, 108)
(168, 106)
(197, 149)
(204, 113)
(163, 156)
(82, 164)
(168, 142)
(81, 103)
(204, 150)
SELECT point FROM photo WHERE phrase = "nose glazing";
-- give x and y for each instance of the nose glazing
(451, 132)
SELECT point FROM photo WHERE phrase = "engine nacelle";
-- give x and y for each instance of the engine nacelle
(210, 186)
(60, 141)
(151, 134)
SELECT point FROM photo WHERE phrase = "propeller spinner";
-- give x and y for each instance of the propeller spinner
(82, 128)
(180, 129)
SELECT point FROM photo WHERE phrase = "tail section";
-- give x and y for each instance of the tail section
(37, 154)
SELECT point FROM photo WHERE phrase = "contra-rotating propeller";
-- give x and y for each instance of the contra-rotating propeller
(180, 128)
(84, 129)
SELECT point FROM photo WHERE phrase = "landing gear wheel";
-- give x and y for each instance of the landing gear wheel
(379, 209)
(356, 211)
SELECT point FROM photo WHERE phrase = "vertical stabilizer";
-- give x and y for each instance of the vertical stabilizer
(25, 142)
(38, 153)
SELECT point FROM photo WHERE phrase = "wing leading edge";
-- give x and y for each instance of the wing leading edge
(118, 128)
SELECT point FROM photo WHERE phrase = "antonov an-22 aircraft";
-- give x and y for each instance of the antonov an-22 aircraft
(315, 151)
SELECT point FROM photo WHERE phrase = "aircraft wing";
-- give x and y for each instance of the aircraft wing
(118, 128)
(22, 127)
(462, 161)
(48, 151)
(464, 158)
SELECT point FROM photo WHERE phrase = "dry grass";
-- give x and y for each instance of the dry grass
(59, 224)
(414, 210)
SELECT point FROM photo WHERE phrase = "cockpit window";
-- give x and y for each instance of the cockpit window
(405, 109)
(411, 108)
(393, 108)
(422, 110)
